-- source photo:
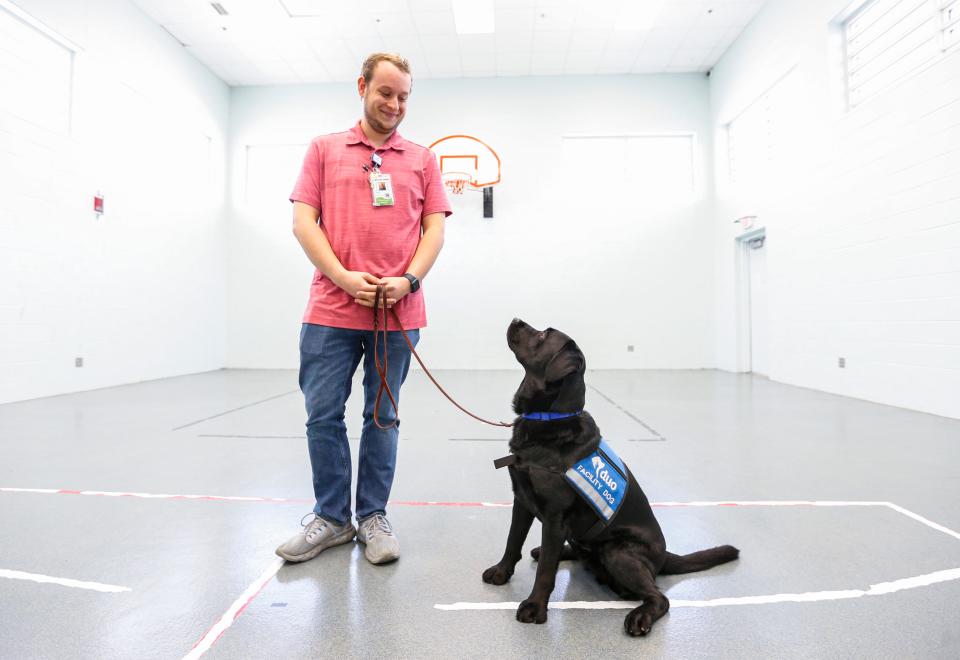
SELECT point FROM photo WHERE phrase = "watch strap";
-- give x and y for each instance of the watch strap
(414, 282)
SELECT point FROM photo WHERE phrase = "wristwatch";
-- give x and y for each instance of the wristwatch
(414, 282)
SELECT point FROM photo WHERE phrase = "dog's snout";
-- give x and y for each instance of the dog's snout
(514, 330)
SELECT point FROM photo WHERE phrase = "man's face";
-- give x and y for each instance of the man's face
(385, 97)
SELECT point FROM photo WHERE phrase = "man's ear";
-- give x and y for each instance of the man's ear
(569, 360)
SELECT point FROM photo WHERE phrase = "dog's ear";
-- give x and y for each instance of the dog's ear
(569, 360)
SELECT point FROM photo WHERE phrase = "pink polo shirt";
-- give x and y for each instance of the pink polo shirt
(380, 240)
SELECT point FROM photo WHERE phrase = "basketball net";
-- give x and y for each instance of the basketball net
(456, 181)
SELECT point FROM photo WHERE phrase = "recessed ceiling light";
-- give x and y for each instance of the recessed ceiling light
(473, 16)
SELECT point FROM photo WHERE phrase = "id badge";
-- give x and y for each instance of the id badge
(382, 189)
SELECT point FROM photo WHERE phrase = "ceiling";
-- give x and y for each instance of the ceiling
(275, 42)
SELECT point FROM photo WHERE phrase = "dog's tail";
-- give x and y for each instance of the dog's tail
(698, 561)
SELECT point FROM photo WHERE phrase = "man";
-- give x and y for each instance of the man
(368, 209)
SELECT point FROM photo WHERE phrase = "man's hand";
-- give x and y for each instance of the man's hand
(395, 288)
(361, 286)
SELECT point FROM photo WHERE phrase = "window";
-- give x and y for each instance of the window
(661, 166)
(619, 172)
(950, 23)
(762, 140)
(888, 39)
(748, 144)
(36, 71)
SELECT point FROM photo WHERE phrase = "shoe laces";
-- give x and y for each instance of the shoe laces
(377, 525)
(314, 527)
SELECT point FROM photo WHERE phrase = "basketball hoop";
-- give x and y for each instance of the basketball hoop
(467, 163)
(456, 181)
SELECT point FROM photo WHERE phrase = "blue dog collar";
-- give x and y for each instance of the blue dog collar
(549, 416)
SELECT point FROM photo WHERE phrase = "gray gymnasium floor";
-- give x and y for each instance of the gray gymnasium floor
(873, 580)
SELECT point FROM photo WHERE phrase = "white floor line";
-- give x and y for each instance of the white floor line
(235, 498)
(809, 597)
(233, 612)
(769, 503)
(155, 496)
(63, 582)
(285, 500)
(879, 589)
(921, 519)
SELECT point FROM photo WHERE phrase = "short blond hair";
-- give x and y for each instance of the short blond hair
(371, 63)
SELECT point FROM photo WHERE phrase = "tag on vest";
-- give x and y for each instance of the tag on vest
(601, 479)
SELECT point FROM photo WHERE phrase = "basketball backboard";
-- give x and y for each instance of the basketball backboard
(466, 161)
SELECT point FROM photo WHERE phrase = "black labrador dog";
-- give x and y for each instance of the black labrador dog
(552, 436)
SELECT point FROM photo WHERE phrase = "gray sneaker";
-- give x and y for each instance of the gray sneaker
(376, 534)
(318, 535)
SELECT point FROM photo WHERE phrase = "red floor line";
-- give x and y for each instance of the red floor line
(419, 503)
(235, 610)
(229, 498)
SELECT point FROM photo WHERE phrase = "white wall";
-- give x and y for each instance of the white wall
(860, 211)
(138, 293)
(625, 273)
(862, 217)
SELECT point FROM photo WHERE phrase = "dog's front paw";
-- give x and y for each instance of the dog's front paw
(638, 623)
(497, 574)
(532, 611)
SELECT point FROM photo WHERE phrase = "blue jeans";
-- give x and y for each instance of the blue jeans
(328, 360)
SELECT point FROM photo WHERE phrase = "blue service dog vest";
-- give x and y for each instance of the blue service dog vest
(601, 479)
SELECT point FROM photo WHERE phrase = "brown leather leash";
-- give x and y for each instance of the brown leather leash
(381, 317)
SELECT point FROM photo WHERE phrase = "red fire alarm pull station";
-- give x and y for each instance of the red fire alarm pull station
(98, 204)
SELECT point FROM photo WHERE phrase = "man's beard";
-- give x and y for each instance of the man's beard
(378, 125)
